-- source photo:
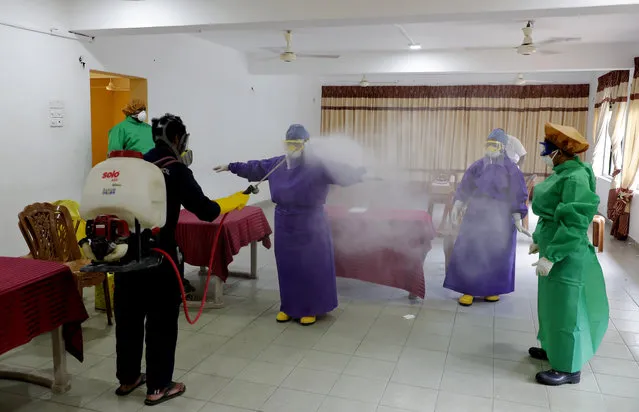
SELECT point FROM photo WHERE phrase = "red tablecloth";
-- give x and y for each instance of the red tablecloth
(195, 237)
(386, 247)
(37, 297)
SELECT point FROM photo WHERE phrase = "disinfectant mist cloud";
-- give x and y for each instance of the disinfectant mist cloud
(387, 185)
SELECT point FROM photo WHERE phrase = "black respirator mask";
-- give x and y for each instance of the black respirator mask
(181, 148)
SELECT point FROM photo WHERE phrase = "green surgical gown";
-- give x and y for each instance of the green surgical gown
(572, 300)
(131, 135)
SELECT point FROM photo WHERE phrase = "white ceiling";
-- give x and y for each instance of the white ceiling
(612, 28)
(365, 35)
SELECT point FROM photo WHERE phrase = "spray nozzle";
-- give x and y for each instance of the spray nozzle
(251, 190)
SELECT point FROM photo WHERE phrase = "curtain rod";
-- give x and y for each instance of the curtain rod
(51, 32)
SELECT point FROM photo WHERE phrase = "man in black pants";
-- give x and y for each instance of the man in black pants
(154, 295)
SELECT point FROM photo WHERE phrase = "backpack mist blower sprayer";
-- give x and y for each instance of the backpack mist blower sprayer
(124, 204)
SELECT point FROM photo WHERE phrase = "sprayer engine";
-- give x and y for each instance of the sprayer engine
(107, 238)
(123, 200)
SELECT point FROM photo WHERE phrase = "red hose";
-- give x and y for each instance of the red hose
(208, 275)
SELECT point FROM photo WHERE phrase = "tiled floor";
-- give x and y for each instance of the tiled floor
(364, 357)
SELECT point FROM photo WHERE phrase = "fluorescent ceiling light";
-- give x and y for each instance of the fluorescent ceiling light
(415, 46)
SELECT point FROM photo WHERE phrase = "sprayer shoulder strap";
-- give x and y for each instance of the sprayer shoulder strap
(165, 161)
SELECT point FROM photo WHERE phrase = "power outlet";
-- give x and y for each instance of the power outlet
(55, 122)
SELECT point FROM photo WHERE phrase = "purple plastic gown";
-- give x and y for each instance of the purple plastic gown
(303, 241)
(483, 258)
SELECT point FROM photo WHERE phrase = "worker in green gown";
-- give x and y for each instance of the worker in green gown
(572, 300)
(133, 133)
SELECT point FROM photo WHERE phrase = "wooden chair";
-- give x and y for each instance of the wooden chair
(598, 228)
(530, 183)
(50, 235)
(440, 190)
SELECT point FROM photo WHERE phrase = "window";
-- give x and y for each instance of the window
(603, 160)
(604, 163)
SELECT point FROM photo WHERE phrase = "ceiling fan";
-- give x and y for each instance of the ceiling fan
(288, 55)
(365, 83)
(528, 47)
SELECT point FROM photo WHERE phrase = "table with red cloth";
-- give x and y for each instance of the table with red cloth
(382, 246)
(241, 228)
(36, 297)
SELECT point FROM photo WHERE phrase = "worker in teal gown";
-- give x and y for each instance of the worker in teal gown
(133, 133)
(572, 300)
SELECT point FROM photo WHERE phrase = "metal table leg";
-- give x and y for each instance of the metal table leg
(253, 271)
(253, 260)
(214, 297)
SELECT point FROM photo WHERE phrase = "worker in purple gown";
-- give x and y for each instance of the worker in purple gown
(303, 241)
(490, 204)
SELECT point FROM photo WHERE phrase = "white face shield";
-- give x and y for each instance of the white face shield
(493, 149)
(294, 151)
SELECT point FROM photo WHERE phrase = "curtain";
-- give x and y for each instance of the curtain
(619, 210)
(610, 115)
(445, 127)
(631, 144)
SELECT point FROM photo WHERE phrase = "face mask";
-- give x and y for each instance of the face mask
(187, 157)
(549, 160)
(141, 116)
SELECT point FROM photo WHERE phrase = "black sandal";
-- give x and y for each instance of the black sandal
(142, 381)
(165, 396)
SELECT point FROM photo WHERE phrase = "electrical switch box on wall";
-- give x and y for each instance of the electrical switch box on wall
(56, 113)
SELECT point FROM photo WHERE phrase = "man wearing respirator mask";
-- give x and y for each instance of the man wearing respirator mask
(147, 302)
(303, 240)
(572, 302)
(491, 199)
(133, 133)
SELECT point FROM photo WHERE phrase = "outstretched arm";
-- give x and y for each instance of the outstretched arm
(254, 170)
(342, 174)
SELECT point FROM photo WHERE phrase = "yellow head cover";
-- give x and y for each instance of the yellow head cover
(566, 138)
(134, 107)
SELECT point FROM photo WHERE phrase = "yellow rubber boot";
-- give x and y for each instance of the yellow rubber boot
(282, 317)
(466, 300)
(308, 320)
(492, 298)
